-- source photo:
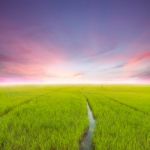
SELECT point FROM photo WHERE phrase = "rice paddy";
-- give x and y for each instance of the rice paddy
(56, 117)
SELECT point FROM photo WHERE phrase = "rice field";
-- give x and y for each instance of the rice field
(56, 117)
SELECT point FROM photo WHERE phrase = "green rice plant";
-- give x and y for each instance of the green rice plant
(11, 97)
(119, 127)
(54, 121)
(55, 117)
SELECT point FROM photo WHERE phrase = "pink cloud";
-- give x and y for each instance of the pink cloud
(137, 59)
(136, 63)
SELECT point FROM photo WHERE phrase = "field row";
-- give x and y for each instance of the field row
(50, 122)
(56, 118)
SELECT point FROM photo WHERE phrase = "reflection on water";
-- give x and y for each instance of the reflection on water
(86, 144)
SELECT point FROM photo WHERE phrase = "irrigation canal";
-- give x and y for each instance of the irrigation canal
(86, 143)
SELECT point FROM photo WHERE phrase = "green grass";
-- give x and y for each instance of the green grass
(122, 115)
(56, 118)
(14, 96)
(55, 121)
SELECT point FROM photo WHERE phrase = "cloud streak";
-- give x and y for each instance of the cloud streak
(53, 41)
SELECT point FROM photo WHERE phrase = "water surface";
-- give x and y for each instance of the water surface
(86, 143)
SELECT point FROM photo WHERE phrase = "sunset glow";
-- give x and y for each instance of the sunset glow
(70, 42)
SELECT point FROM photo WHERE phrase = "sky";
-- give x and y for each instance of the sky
(75, 41)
